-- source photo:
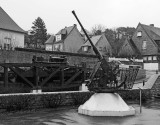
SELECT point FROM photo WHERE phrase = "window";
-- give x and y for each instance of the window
(100, 48)
(154, 57)
(56, 46)
(58, 37)
(85, 48)
(6, 46)
(139, 33)
(150, 58)
(144, 45)
(145, 58)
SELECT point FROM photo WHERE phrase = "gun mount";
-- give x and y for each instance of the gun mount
(110, 72)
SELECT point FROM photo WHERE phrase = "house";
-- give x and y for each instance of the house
(147, 40)
(67, 39)
(11, 35)
(49, 43)
(100, 42)
(129, 49)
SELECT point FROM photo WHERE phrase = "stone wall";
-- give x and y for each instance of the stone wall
(13, 56)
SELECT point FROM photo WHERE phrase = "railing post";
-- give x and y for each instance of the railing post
(84, 71)
(140, 99)
(6, 77)
(36, 76)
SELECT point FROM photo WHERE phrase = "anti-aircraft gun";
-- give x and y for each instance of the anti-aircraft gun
(108, 81)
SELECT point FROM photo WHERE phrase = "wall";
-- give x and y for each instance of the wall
(13, 56)
(150, 66)
(17, 39)
(73, 42)
(105, 45)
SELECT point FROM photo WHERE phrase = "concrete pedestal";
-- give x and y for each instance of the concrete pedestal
(83, 87)
(106, 104)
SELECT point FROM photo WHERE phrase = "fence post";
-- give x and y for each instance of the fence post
(84, 71)
(140, 99)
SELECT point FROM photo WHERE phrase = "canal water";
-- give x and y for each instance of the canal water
(150, 116)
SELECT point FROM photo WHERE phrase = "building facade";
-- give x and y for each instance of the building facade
(67, 39)
(11, 35)
(100, 42)
(147, 40)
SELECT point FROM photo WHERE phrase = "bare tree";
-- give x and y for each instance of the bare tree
(98, 29)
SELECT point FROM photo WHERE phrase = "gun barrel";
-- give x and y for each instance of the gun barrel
(94, 48)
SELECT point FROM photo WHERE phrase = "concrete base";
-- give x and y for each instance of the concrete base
(83, 87)
(106, 104)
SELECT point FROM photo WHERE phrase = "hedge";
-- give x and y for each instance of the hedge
(54, 100)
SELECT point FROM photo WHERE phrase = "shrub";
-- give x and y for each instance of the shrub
(15, 103)
(51, 100)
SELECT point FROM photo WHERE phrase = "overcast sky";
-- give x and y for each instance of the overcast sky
(57, 13)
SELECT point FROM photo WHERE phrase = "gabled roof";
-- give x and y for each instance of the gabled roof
(7, 23)
(134, 47)
(125, 48)
(150, 29)
(51, 40)
(66, 31)
(153, 33)
(94, 40)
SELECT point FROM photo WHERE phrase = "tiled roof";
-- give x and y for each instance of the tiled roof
(51, 40)
(94, 40)
(153, 32)
(65, 30)
(134, 47)
(7, 23)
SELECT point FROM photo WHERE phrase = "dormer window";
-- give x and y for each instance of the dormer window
(100, 48)
(139, 33)
(85, 48)
(58, 37)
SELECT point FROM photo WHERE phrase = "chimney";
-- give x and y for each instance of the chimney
(74, 24)
(152, 25)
